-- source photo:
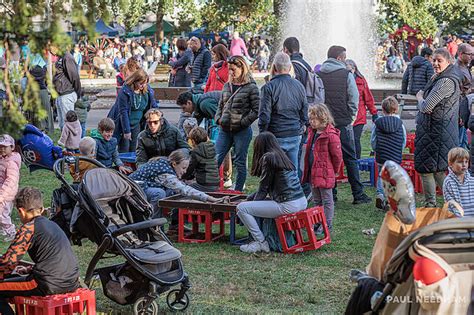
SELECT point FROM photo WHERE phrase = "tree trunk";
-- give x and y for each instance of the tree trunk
(159, 22)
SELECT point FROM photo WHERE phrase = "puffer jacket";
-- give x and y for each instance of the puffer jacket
(203, 165)
(106, 151)
(162, 143)
(238, 111)
(200, 65)
(417, 74)
(366, 102)
(218, 76)
(280, 184)
(9, 177)
(327, 158)
(438, 132)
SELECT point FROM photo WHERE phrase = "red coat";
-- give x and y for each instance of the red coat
(366, 101)
(217, 78)
(327, 155)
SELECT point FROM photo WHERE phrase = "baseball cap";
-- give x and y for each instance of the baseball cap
(6, 140)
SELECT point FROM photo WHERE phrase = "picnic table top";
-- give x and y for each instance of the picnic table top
(183, 202)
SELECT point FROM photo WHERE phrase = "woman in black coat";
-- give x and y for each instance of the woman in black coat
(437, 129)
(180, 77)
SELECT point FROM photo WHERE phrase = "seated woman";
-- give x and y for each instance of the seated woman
(279, 180)
(160, 178)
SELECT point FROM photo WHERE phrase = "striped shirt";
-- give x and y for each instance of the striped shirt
(462, 193)
(444, 88)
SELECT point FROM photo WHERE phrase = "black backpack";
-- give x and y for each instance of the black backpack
(314, 86)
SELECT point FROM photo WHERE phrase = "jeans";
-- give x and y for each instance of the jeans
(65, 103)
(323, 197)
(291, 146)
(350, 161)
(83, 128)
(153, 195)
(128, 145)
(463, 143)
(357, 135)
(248, 210)
(240, 141)
(429, 182)
(379, 190)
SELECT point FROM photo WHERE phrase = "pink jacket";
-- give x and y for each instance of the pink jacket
(238, 48)
(71, 135)
(9, 176)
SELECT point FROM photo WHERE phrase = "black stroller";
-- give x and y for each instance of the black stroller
(111, 211)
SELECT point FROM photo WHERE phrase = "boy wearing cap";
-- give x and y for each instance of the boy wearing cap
(55, 269)
(10, 163)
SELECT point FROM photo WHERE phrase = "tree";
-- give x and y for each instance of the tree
(427, 16)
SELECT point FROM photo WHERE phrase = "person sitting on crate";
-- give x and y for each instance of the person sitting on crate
(203, 163)
(278, 180)
(161, 177)
(388, 140)
(55, 269)
(159, 138)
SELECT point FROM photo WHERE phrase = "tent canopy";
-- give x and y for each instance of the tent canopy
(168, 29)
(103, 29)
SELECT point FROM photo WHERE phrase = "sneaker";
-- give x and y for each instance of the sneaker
(228, 183)
(362, 199)
(379, 203)
(255, 246)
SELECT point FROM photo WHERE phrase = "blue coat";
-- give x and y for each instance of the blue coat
(417, 74)
(122, 108)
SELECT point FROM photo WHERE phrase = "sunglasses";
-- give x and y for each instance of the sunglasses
(234, 61)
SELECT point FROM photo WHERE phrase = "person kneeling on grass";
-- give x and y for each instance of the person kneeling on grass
(279, 180)
(160, 178)
(459, 185)
(55, 269)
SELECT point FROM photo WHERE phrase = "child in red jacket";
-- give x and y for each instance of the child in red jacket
(323, 158)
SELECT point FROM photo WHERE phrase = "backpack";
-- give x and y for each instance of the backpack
(314, 86)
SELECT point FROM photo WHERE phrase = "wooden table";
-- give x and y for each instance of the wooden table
(182, 202)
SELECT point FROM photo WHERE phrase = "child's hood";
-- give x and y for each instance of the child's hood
(15, 157)
(330, 129)
(74, 127)
(206, 150)
(389, 124)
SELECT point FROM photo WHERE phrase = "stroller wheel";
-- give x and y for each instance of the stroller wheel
(140, 308)
(177, 305)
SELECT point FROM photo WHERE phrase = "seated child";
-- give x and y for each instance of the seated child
(71, 133)
(55, 270)
(387, 140)
(203, 163)
(10, 163)
(82, 108)
(106, 145)
(87, 149)
(459, 185)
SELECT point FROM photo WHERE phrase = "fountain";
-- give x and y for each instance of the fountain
(319, 24)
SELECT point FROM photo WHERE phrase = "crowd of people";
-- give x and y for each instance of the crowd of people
(305, 134)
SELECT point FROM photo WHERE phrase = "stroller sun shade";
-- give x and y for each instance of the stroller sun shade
(105, 184)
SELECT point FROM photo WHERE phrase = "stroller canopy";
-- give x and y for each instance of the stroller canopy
(106, 184)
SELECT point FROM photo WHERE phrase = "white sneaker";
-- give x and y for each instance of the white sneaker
(255, 246)
(228, 183)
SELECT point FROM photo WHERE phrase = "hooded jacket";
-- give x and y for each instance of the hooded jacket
(327, 158)
(9, 177)
(203, 165)
(71, 135)
(162, 143)
(390, 139)
(417, 74)
(205, 105)
(341, 94)
(106, 151)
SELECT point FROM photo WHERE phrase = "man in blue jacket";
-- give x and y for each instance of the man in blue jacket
(418, 73)
(342, 99)
(283, 107)
(200, 64)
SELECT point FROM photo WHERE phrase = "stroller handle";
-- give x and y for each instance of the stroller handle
(139, 226)
(58, 166)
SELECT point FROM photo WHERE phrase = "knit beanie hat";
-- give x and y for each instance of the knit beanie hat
(189, 124)
(87, 146)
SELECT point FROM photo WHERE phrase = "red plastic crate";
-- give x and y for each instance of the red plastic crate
(76, 302)
(299, 221)
(199, 218)
(409, 166)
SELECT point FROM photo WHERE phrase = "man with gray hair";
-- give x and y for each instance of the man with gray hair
(200, 64)
(283, 107)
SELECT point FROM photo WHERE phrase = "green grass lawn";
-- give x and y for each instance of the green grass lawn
(225, 280)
